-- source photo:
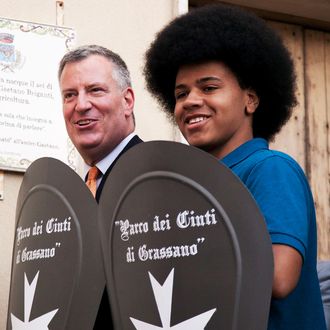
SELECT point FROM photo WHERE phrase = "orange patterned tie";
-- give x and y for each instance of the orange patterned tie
(93, 174)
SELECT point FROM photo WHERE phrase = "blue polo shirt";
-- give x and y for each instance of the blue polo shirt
(282, 193)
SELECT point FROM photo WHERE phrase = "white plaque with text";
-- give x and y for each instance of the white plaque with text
(31, 121)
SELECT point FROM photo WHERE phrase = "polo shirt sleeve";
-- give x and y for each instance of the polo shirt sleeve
(281, 190)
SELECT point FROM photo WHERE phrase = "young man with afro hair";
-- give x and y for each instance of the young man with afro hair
(228, 82)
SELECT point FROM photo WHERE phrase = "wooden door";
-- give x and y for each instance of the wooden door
(306, 136)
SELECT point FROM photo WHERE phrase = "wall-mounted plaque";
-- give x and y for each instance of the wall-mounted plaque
(31, 123)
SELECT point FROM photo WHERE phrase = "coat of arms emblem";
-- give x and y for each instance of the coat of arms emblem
(10, 58)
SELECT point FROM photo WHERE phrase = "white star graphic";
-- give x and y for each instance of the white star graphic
(163, 297)
(41, 322)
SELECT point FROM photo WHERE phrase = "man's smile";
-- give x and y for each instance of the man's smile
(84, 122)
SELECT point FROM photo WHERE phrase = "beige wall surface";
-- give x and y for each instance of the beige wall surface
(127, 27)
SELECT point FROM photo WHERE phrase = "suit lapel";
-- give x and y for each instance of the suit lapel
(134, 141)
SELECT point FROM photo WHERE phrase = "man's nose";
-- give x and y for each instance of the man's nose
(193, 100)
(83, 102)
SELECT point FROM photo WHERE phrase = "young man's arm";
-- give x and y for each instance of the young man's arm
(287, 268)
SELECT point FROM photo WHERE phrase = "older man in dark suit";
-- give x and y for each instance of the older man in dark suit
(98, 103)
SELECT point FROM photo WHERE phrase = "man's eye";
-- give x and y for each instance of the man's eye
(68, 96)
(96, 90)
(210, 88)
(180, 95)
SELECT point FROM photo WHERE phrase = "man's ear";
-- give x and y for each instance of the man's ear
(129, 100)
(252, 101)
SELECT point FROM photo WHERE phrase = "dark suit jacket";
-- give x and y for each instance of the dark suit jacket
(135, 140)
(103, 319)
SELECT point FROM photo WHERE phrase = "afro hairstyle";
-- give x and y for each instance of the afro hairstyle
(239, 39)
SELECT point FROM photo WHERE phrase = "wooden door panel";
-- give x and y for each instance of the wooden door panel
(306, 136)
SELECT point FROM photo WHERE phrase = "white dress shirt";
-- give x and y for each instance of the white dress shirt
(106, 162)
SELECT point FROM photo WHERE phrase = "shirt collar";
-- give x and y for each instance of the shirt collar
(244, 151)
(105, 163)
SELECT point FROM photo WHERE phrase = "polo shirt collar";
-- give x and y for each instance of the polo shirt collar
(244, 151)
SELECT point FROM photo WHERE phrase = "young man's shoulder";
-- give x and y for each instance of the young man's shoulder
(255, 156)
